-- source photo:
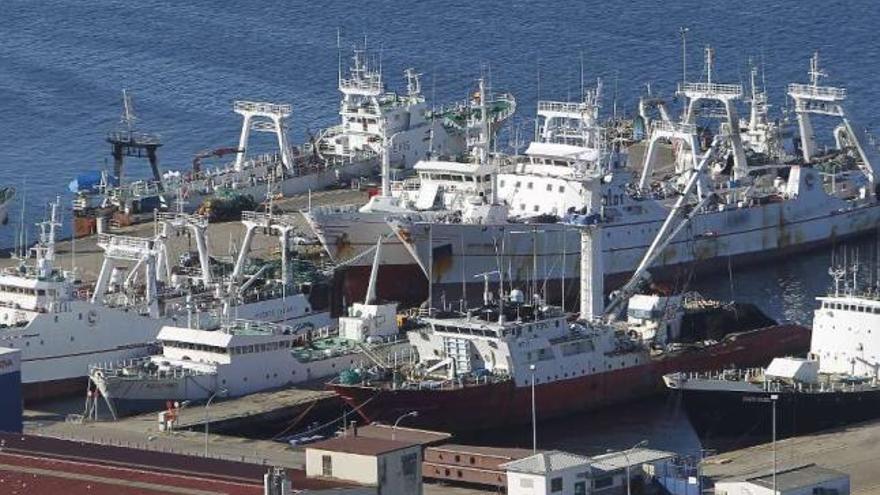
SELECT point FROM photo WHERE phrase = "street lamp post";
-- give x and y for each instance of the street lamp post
(411, 414)
(221, 391)
(534, 414)
(626, 454)
(773, 398)
(683, 31)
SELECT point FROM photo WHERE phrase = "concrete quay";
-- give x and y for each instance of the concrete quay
(854, 450)
(188, 437)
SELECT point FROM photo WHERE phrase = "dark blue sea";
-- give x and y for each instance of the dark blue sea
(63, 65)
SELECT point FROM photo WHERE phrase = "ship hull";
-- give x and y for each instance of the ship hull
(136, 394)
(195, 192)
(35, 392)
(502, 404)
(408, 283)
(721, 414)
(451, 253)
(58, 349)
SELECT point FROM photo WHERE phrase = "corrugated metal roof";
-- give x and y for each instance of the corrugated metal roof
(619, 460)
(546, 462)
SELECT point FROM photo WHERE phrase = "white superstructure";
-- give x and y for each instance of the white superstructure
(245, 356)
(62, 326)
(846, 332)
(368, 112)
(59, 332)
(736, 208)
(440, 186)
(239, 358)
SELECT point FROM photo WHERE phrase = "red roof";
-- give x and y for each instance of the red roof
(25, 474)
(33, 464)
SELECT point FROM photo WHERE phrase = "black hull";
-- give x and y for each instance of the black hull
(721, 416)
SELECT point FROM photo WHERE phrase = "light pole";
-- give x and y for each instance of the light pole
(534, 415)
(411, 414)
(221, 391)
(683, 31)
(626, 454)
(773, 398)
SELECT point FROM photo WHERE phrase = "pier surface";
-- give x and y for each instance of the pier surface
(854, 450)
(188, 438)
(224, 238)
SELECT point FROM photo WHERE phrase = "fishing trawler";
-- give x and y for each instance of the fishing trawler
(837, 384)
(438, 187)
(62, 325)
(369, 114)
(244, 357)
(749, 204)
(480, 368)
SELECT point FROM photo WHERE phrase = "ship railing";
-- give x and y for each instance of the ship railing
(562, 107)
(259, 217)
(410, 184)
(179, 217)
(816, 92)
(262, 107)
(123, 241)
(133, 369)
(744, 374)
(372, 85)
(461, 381)
(134, 137)
(710, 89)
(678, 127)
(330, 209)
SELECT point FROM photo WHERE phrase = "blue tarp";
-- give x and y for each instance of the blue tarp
(87, 181)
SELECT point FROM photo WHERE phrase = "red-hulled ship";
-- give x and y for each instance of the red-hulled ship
(475, 370)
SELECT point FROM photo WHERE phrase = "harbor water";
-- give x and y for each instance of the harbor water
(63, 65)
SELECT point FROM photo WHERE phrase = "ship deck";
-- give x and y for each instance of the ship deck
(89, 256)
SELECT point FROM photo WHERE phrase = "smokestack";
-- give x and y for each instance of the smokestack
(592, 273)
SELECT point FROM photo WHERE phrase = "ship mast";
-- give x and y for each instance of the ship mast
(44, 251)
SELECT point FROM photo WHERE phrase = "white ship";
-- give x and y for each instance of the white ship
(62, 326)
(836, 385)
(243, 357)
(737, 210)
(370, 114)
(439, 188)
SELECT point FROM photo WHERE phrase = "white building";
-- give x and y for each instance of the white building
(548, 473)
(808, 479)
(555, 472)
(391, 467)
